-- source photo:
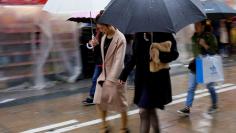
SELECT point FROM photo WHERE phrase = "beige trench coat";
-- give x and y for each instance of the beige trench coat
(112, 95)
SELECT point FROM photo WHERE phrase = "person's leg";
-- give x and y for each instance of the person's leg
(154, 121)
(144, 120)
(214, 98)
(124, 122)
(103, 114)
(89, 99)
(192, 85)
(221, 49)
(211, 89)
(97, 72)
(227, 47)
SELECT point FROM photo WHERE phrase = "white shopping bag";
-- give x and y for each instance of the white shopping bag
(209, 69)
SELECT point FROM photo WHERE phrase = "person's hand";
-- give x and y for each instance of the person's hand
(203, 43)
(93, 42)
(121, 82)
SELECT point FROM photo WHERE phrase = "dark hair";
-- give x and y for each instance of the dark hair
(97, 18)
(207, 28)
(203, 22)
(101, 12)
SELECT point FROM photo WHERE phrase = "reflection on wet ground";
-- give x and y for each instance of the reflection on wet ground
(62, 111)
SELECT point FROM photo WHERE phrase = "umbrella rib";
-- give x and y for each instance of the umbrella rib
(127, 9)
(166, 7)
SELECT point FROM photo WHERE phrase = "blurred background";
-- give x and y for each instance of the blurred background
(39, 49)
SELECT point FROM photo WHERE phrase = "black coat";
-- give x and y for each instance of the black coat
(152, 90)
(97, 55)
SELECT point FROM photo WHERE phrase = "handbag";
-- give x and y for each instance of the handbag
(209, 69)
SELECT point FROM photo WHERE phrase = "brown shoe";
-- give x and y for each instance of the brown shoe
(106, 129)
(124, 130)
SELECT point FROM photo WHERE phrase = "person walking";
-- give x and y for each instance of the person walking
(224, 39)
(95, 46)
(204, 42)
(152, 78)
(97, 71)
(109, 94)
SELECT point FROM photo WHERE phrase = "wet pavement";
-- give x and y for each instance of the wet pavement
(59, 109)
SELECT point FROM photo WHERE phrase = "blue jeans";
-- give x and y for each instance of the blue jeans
(192, 85)
(96, 73)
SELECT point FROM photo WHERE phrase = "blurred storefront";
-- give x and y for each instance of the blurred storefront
(36, 47)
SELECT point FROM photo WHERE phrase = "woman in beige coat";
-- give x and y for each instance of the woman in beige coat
(110, 95)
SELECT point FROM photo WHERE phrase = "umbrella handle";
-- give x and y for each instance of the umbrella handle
(91, 23)
(89, 46)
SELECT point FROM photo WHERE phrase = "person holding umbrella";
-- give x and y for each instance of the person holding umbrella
(152, 78)
(109, 94)
(151, 54)
(98, 63)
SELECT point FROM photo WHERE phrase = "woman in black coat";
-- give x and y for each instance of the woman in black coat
(152, 89)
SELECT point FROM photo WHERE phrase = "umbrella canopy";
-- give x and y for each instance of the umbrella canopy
(75, 6)
(131, 16)
(85, 17)
(83, 20)
(218, 10)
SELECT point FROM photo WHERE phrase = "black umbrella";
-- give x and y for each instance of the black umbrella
(218, 10)
(152, 15)
(84, 17)
(82, 20)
